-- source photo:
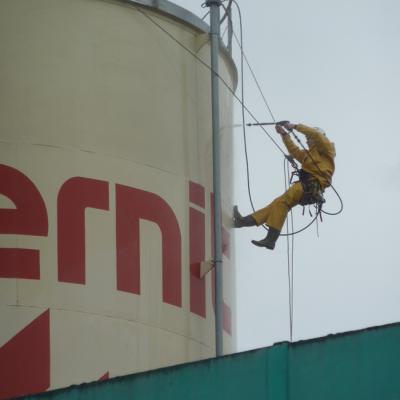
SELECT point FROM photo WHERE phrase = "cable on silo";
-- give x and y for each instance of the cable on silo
(223, 81)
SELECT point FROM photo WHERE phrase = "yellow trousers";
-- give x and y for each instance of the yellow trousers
(274, 215)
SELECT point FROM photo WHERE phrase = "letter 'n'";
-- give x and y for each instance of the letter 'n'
(132, 205)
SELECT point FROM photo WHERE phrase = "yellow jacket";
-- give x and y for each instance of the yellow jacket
(319, 159)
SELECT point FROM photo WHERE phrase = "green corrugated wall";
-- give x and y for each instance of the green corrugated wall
(361, 365)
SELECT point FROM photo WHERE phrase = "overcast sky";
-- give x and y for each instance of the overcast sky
(335, 65)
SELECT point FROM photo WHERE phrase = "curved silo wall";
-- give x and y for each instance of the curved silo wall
(105, 192)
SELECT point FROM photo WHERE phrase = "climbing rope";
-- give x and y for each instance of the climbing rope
(287, 178)
(289, 250)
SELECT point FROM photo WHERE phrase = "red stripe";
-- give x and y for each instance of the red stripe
(197, 194)
(25, 360)
(19, 263)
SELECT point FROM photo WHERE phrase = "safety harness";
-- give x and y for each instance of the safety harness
(313, 191)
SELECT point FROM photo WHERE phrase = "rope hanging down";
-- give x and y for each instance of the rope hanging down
(261, 125)
(290, 251)
(289, 243)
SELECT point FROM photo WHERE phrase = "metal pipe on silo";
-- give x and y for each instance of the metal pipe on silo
(215, 38)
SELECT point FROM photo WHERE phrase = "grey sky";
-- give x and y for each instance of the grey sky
(337, 66)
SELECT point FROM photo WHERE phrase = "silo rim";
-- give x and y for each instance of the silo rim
(173, 10)
(182, 14)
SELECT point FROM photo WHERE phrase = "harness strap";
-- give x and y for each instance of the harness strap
(313, 192)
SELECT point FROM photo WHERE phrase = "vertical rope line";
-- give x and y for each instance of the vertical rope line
(243, 114)
(248, 63)
(291, 270)
(286, 180)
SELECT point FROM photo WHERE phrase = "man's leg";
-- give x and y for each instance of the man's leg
(239, 221)
(274, 215)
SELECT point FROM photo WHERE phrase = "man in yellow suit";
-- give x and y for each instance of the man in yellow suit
(317, 168)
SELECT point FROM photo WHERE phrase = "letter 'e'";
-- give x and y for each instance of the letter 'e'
(29, 217)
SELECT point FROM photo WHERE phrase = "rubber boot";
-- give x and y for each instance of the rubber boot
(270, 240)
(239, 221)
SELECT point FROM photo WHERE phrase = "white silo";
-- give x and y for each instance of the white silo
(105, 191)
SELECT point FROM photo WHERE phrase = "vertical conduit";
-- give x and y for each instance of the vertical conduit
(215, 38)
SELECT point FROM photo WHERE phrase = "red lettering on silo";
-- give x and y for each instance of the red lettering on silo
(28, 218)
(132, 205)
(75, 195)
(25, 360)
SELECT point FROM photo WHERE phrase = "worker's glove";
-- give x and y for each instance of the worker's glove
(280, 130)
(288, 125)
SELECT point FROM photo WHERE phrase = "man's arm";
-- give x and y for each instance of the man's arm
(320, 140)
(293, 150)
